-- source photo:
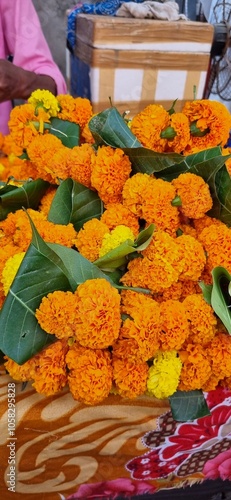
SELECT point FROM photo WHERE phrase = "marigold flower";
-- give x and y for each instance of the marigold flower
(219, 351)
(57, 313)
(90, 377)
(157, 205)
(22, 373)
(202, 319)
(214, 238)
(79, 164)
(74, 109)
(46, 200)
(21, 126)
(57, 167)
(10, 270)
(89, 239)
(117, 214)
(163, 376)
(99, 318)
(208, 115)
(174, 325)
(180, 124)
(115, 238)
(41, 151)
(148, 125)
(194, 194)
(196, 369)
(132, 193)
(127, 348)
(130, 377)
(110, 169)
(206, 221)
(45, 99)
(50, 374)
(193, 257)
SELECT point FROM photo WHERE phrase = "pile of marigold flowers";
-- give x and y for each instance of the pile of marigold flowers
(151, 330)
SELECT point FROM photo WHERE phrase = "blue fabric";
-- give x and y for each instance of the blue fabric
(104, 8)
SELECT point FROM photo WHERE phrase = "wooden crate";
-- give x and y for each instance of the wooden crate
(135, 62)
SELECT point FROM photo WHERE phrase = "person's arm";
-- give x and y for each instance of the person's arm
(17, 83)
(33, 65)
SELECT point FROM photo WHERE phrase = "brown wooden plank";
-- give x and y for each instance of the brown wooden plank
(135, 107)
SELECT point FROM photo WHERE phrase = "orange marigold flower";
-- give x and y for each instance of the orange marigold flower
(201, 318)
(204, 222)
(57, 313)
(194, 194)
(110, 170)
(174, 292)
(74, 109)
(127, 348)
(22, 373)
(180, 123)
(157, 205)
(80, 164)
(41, 151)
(51, 373)
(99, 318)
(190, 287)
(132, 193)
(46, 200)
(196, 369)
(57, 167)
(219, 351)
(89, 239)
(208, 115)
(22, 130)
(148, 125)
(130, 377)
(193, 257)
(117, 214)
(211, 384)
(174, 325)
(90, 377)
(214, 238)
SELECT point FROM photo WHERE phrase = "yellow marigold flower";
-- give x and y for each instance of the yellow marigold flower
(80, 164)
(130, 377)
(132, 193)
(99, 318)
(180, 123)
(10, 270)
(89, 239)
(41, 151)
(110, 170)
(45, 99)
(148, 125)
(57, 313)
(219, 351)
(194, 194)
(193, 257)
(196, 369)
(74, 109)
(22, 130)
(117, 214)
(211, 115)
(46, 200)
(90, 377)
(214, 238)
(174, 325)
(113, 239)
(201, 318)
(51, 372)
(163, 376)
(22, 373)
(157, 205)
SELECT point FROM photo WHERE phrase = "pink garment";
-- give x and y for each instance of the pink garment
(21, 36)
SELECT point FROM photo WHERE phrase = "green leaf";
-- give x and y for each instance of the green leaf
(74, 203)
(110, 128)
(222, 191)
(188, 406)
(220, 296)
(149, 162)
(207, 291)
(66, 131)
(119, 256)
(13, 198)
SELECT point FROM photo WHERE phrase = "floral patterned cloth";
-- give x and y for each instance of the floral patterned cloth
(119, 448)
